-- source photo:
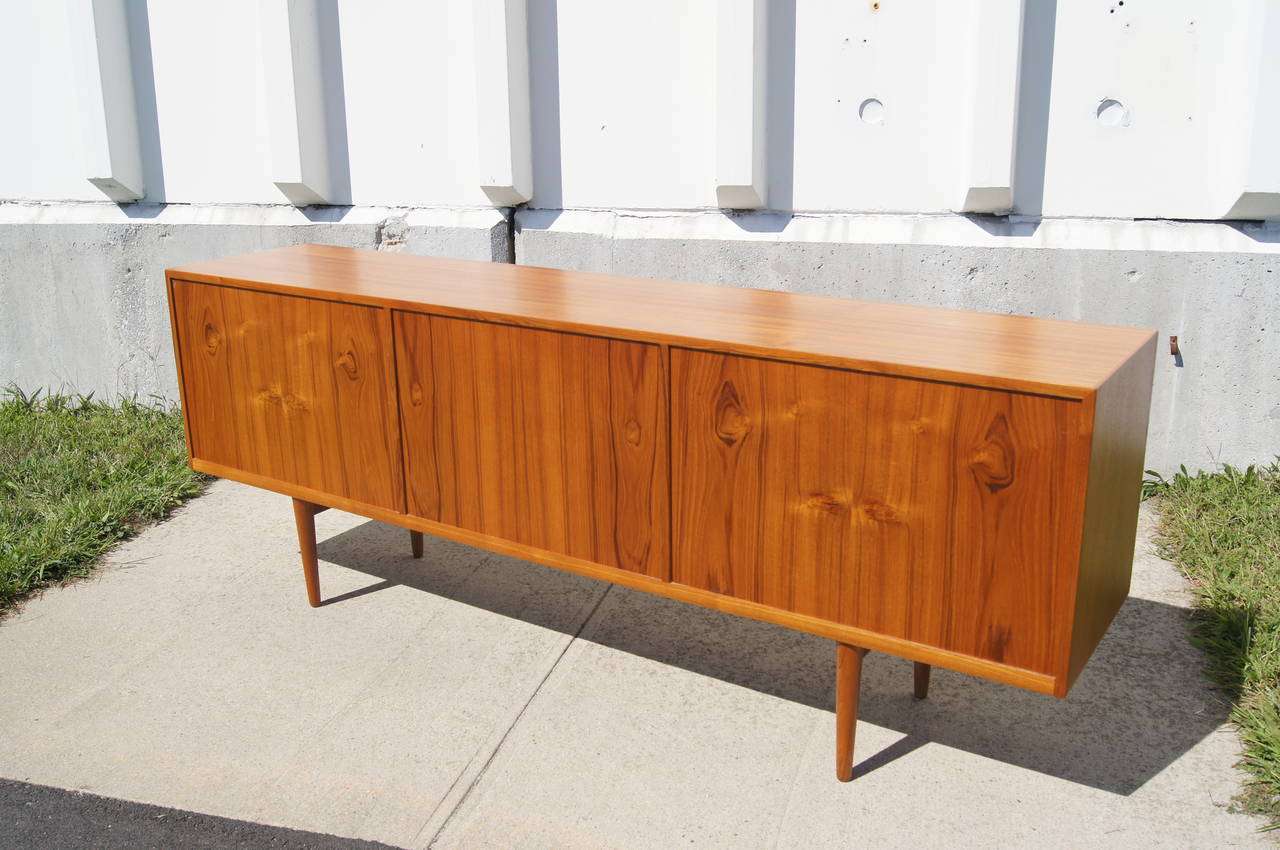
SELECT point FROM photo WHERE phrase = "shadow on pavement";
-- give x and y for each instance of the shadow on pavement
(1141, 703)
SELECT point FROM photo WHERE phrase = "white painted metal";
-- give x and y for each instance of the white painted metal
(884, 94)
(409, 85)
(213, 140)
(1260, 195)
(1145, 109)
(741, 87)
(1151, 110)
(293, 80)
(996, 37)
(108, 112)
(504, 147)
(633, 86)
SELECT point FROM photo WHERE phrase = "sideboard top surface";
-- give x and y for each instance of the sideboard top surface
(1028, 354)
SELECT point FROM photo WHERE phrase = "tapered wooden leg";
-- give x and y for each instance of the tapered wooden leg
(415, 540)
(922, 679)
(304, 515)
(848, 683)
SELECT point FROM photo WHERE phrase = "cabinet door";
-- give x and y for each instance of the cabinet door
(293, 389)
(921, 510)
(549, 439)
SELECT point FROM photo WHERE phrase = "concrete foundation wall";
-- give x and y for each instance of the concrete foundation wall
(82, 302)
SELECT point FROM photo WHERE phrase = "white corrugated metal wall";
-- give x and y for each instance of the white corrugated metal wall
(1088, 108)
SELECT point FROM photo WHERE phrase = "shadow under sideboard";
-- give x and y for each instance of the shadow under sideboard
(1141, 703)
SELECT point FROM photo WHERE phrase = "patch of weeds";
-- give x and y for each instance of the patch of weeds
(1222, 529)
(78, 476)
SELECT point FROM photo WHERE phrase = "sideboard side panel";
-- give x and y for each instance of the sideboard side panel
(294, 389)
(919, 510)
(1121, 411)
(547, 439)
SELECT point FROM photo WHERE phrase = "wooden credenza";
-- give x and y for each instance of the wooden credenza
(954, 488)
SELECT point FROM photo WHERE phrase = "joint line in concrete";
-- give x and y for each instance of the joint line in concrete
(507, 732)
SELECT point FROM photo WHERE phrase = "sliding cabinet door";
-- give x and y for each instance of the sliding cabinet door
(554, 440)
(936, 513)
(296, 390)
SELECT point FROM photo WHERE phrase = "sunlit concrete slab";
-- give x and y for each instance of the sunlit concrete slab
(472, 700)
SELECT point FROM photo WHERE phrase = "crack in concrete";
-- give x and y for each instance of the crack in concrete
(505, 734)
(393, 664)
(793, 785)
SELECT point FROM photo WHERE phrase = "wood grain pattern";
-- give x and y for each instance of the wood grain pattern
(291, 388)
(921, 674)
(553, 440)
(954, 488)
(924, 511)
(177, 362)
(1038, 355)
(848, 689)
(1119, 437)
(304, 519)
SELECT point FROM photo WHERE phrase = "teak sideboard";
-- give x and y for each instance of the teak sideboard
(955, 488)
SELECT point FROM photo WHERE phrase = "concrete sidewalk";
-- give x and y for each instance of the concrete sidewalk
(472, 700)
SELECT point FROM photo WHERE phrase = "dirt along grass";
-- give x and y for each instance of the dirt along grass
(1223, 531)
(76, 477)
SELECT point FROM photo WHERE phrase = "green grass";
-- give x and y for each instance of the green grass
(76, 477)
(1223, 531)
